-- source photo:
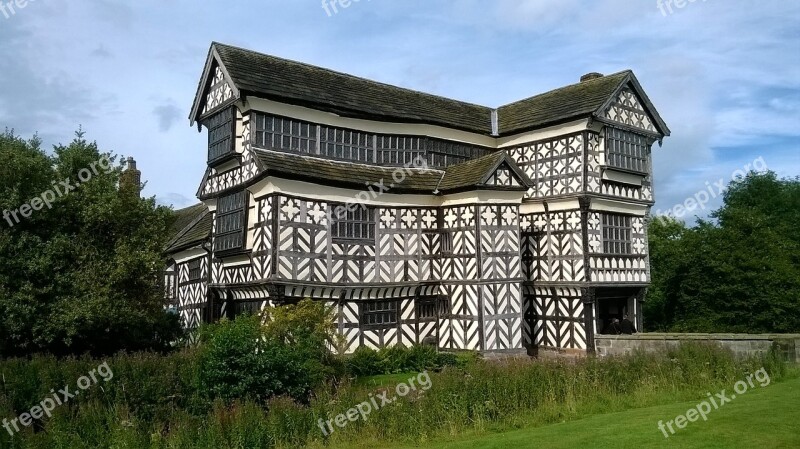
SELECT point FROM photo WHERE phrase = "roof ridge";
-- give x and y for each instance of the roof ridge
(580, 83)
(350, 75)
(334, 161)
(393, 86)
(293, 82)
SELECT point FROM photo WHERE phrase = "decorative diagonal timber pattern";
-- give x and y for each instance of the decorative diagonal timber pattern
(553, 247)
(303, 239)
(192, 291)
(627, 109)
(349, 325)
(612, 268)
(236, 275)
(504, 177)
(219, 93)
(502, 315)
(558, 317)
(595, 160)
(527, 319)
(554, 165)
(501, 299)
(262, 239)
(408, 328)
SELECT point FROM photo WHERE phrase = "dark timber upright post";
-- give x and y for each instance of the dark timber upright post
(640, 298)
(589, 293)
(588, 315)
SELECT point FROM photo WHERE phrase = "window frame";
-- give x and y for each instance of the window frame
(277, 133)
(346, 144)
(221, 214)
(627, 151)
(195, 270)
(399, 150)
(380, 313)
(219, 132)
(617, 233)
(366, 223)
(439, 305)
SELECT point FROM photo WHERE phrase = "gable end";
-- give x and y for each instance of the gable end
(215, 90)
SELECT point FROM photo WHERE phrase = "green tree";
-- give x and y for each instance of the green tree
(82, 273)
(666, 252)
(739, 271)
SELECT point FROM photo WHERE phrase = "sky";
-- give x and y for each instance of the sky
(724, 75)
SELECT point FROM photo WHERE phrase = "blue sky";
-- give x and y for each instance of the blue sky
(725, 75)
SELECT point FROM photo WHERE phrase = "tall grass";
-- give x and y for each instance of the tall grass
(154, 402)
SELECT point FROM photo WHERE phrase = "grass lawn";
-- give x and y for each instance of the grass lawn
(762, 418)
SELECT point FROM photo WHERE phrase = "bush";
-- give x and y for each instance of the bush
(395, 359)
(365, 362)
(287, 356)
(308, 328)
(238, 361)
(421, 358)
(399, 359)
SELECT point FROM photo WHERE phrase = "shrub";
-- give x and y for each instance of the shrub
(421, 358)
(365, 362)
(239, 361)
(444, 359)
(395, 359)
(399, 359)
(288, 356)
(308, 328)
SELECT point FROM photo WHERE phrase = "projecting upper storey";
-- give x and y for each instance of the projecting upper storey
(244, 73)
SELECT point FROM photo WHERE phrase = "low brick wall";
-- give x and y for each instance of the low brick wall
(741, 344)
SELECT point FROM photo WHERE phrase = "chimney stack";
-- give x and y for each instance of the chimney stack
(591, 76)
(131, 176)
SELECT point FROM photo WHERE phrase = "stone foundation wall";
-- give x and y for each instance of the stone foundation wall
(742, 345)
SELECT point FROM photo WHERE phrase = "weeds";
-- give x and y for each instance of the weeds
(155, 401)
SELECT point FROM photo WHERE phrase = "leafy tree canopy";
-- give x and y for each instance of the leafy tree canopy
(81, 273)
(738, 271)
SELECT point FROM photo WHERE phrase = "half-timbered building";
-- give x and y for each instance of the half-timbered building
(420, 219)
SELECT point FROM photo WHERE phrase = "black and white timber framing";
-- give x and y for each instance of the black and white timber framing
(418, 218)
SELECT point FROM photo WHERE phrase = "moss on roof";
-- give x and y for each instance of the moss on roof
(184, 217)
(302, 84)
(475, 172)
(570, 102)
(295, 82)
(465, 176)
(347, 174)
(192, 226)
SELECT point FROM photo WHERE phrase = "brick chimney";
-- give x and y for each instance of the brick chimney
(591, 76)
(131, 177)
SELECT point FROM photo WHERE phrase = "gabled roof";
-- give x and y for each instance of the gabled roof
(192, 227)
(470, 175)
(296, 83)
(475, 173)
(346, 174)
(575, 101)
(184, 217)
(256, 74)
